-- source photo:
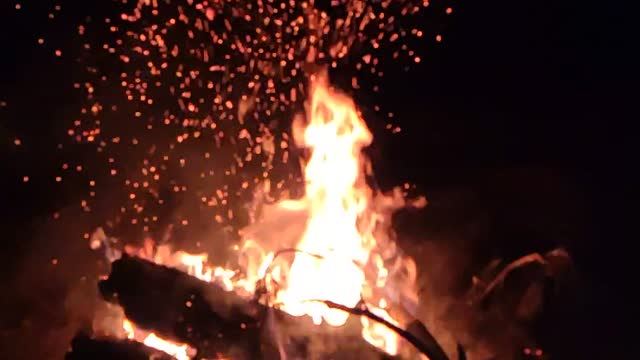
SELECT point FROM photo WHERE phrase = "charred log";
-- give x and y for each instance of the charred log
(85, 348)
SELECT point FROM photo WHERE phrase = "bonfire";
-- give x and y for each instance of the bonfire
(314, 276)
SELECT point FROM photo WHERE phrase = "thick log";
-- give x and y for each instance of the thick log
(85, 348)
(214, 321)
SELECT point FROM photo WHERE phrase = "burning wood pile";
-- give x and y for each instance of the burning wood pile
(193, 318)
(197, 319)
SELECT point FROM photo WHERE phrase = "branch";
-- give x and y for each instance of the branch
(432, 351)
(531, 258)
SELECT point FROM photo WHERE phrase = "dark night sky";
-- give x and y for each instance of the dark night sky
(519, 120)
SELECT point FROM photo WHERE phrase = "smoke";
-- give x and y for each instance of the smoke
(467, 236)
(51, 292)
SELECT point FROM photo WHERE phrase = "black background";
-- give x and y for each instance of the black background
(516, 126)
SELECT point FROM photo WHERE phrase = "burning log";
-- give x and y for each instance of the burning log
(182, 307)
(85, 348)
(214, 321)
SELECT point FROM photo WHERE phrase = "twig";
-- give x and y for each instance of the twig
(531, 258)
(434, 352)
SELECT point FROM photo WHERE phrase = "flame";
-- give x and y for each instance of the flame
(129, 330)
(336, 135)
(178, 351)
(377, 334)
(343, 219)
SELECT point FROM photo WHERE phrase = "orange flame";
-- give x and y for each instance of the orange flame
(343, 222)
(336, 134)
(178, 351)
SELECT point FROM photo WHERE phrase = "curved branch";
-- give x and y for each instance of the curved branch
(499, 279)
(433, 352)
